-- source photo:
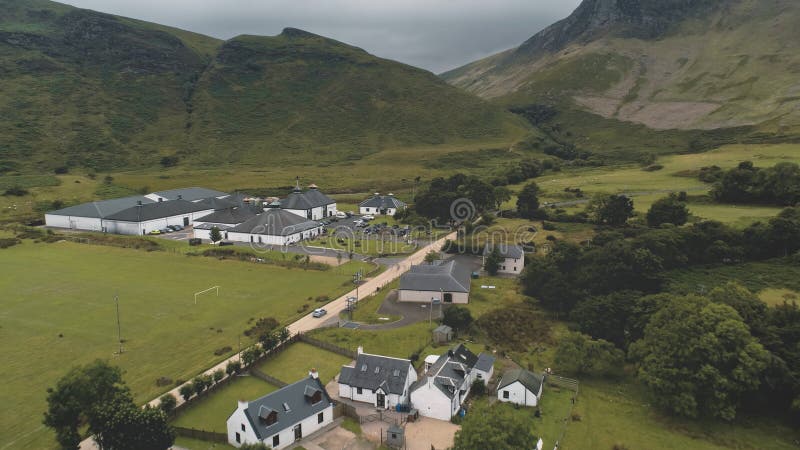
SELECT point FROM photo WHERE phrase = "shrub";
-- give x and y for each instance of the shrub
(8, 242)
(15, 191)
(167, 403)
(233, 367)
(186, 391)
(222, 350)
(218, 375)
(163, 381)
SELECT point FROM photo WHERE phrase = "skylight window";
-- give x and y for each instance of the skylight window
(286, 407)
(396, 373)
(377, 369)
(363, 367)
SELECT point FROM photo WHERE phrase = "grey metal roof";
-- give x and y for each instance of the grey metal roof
(531, 381)
(217, 203)
(448, 276)
(230, 216)
(311, 198)
(375, 371)
(156, 210)
(450, 370)
(443, 329)
(383, 202)
(101, 209)
(208, 226)
(190, 194)
(505, 250)
(485, 362)
(297, 396)
(276, 222)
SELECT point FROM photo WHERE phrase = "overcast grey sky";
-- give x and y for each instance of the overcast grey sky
(433, 34)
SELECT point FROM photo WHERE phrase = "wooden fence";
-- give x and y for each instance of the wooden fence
(193, 433)
(268, 378)
(327, 346)
(341, 409)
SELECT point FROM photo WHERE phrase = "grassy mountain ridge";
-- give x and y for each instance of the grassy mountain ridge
(82, 88)
(708, 64)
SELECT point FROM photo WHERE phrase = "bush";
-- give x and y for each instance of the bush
(15, 191)
(167, 403)
(233, 367)
(60, 170)
(186, 391)
(163, 381)
(8, 242)
(262, 325)
(547, 226)
(222, 350)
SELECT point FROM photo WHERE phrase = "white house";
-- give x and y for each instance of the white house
(89, 216)
(381, 381)
(274, 227)
(283, 417)
(311, 204)
(513, 257)
(224, 220)
(447, 281)
(381, 205)
(445, 386)
(520, 387)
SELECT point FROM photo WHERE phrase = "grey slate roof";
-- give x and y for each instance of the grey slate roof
(276, 222)
(208, 226)
(230, 216)
(190, 194)
(296, 396)
(450, 370)
(443, 329)
(505, 250)
(217, 203)
(383, 202)
(101, 209)
(448, 276)
(531, 381)
(375, 371)
(156, 210)
(311, 198)
(485, 362)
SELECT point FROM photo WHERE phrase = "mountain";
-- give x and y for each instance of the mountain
(83, 88)
(666, 64)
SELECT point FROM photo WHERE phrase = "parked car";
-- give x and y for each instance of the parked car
(155, 232)
(173, 227)
(165, 230)
(341, 215)
(223, 243)
(349, 214)
(319, 312)
(177, 227)
(367, 217)
(360, 223)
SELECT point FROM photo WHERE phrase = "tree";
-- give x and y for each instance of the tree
(493, 260)
(284, 334)
(215, 235)
(249, 356)
(478, 389)
(578, 354)
(528, 201)
(606, 317)
(698, 358)
(71, 402)
(457, 317)
(501, 195)
(667, 210)
(431, 256)
(167, 403)
(186, 391)
(494, 427)
(233, 367)
(121, 425)
(613, 210)
(218, 375)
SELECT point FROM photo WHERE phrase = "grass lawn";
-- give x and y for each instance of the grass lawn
(368, 247)
(294, 363)
(367, 309)
(211, 413)
(777, 296)
(756, 276)
(505, 294)
(197, 444)
(399, 343)
(68, 289)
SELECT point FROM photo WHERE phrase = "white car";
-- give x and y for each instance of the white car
(319, 312)
(368, 217)
(340, 215)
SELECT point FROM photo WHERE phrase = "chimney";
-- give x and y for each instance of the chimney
(360, 349)
(377, 194)
(391, 195)
(160, 199)
(313, 373)
(138, 203)
(242, 404)
(180, 197)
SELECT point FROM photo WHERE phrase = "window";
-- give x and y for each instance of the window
(243, 427)
(276, 440)
(480, 376)
(238, 438)
(358, 391)
(320, 417)
(515, 269)
(505, 394)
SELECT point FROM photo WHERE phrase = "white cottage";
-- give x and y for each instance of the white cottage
(445, 386)
(274, 227)
(520, 387)
(513, 258)
(381, 381)
(283, 417)
(448, 281)
(381, 205)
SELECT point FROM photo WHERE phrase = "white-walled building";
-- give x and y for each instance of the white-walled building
(448, 281)
(520, 387)
(444, 387)
(283, 417)
(224, 220)
(381, 381)
(274, 227)
(311, 204)
(381, 205)
(89, 216)
(513, 258)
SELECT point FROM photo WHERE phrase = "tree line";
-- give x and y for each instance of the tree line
(746, 183)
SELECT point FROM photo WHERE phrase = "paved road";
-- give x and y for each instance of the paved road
(308, 323)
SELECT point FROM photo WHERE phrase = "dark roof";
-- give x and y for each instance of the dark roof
(211, 225)
(231, 216)
(297, 396)
(276, 222)
(190, 194)
(101, 209)
(156, 210)
(505, 250)
(375, 371)
(217, 203)
(531, 381)
(485, 362)
(448, 276)
(450, 370)
(382, 202)
(311, 198)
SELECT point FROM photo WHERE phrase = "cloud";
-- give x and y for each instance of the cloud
(435, 34)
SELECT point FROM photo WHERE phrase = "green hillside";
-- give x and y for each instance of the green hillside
(82, 88)
(707, 64)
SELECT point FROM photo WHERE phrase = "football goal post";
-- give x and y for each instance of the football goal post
(205, 291)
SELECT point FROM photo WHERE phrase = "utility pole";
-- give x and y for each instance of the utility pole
(119, 327)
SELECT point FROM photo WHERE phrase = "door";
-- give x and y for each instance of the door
(186, 221)
(298, 432)
(381, 400)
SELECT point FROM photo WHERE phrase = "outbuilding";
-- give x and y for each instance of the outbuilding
(447, 281)
(379, 204)
(521, 387)
(442, 334)
(512, 257)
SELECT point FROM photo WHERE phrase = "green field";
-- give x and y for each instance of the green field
(211, 413)
(399, 343)
(67, 289)
(756, 276)
(294, 363)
